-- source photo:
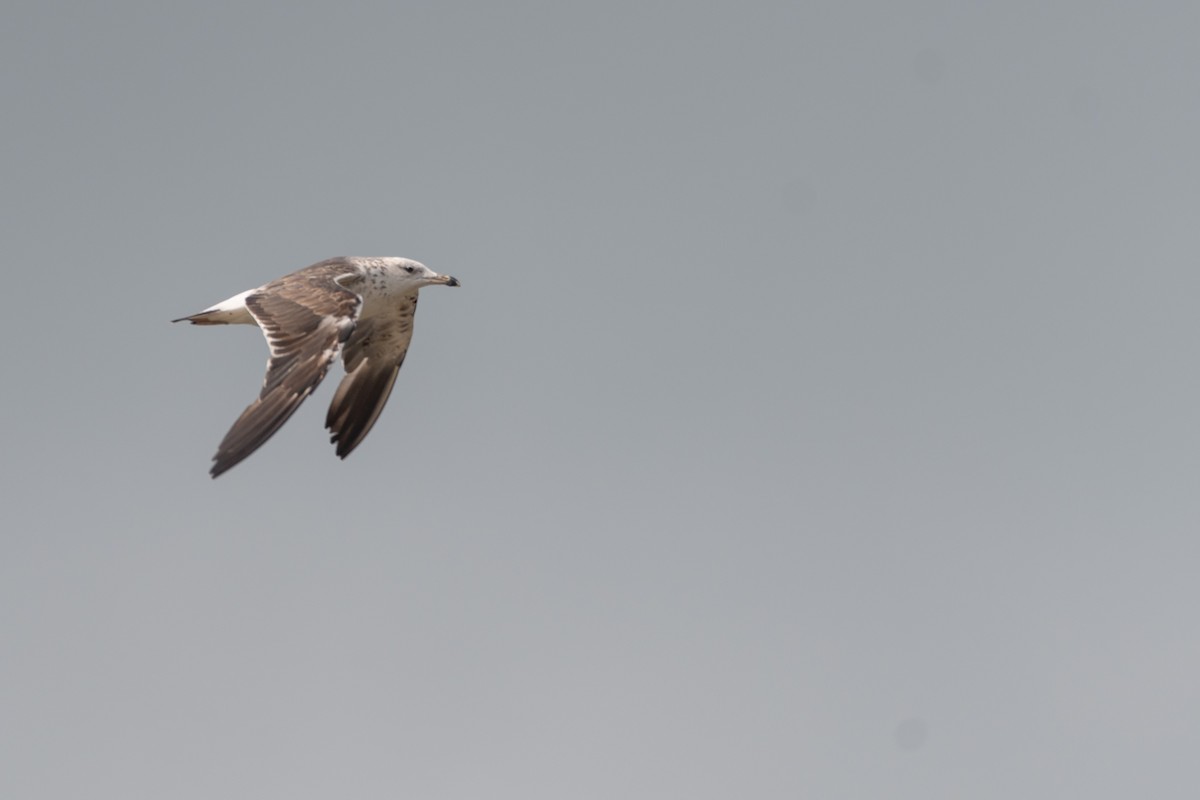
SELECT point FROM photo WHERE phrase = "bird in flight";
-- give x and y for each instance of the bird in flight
(360, 308)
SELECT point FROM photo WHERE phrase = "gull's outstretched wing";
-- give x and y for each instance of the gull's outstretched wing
(372, 356)
(306, 317)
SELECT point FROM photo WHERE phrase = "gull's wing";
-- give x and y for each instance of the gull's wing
(372, 356)
(306, 316)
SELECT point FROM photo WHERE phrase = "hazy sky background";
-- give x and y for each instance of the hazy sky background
(817, 418)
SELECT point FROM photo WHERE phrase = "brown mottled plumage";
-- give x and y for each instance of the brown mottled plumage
(360, 307)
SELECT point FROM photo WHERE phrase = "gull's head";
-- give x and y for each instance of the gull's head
(419, 275)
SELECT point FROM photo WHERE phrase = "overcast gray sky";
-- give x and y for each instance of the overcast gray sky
(817, 418)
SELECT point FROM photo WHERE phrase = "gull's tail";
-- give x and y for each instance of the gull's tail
(227, 312)
(205, 318)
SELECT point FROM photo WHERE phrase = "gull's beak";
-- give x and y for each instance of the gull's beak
(449, 280)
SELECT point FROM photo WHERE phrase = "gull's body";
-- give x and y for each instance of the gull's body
(360, 308)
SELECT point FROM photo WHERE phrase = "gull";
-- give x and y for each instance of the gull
(359, 308)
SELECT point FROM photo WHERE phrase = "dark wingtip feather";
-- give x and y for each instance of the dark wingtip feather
(357, 404)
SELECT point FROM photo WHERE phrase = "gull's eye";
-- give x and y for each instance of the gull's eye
(410, 270)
